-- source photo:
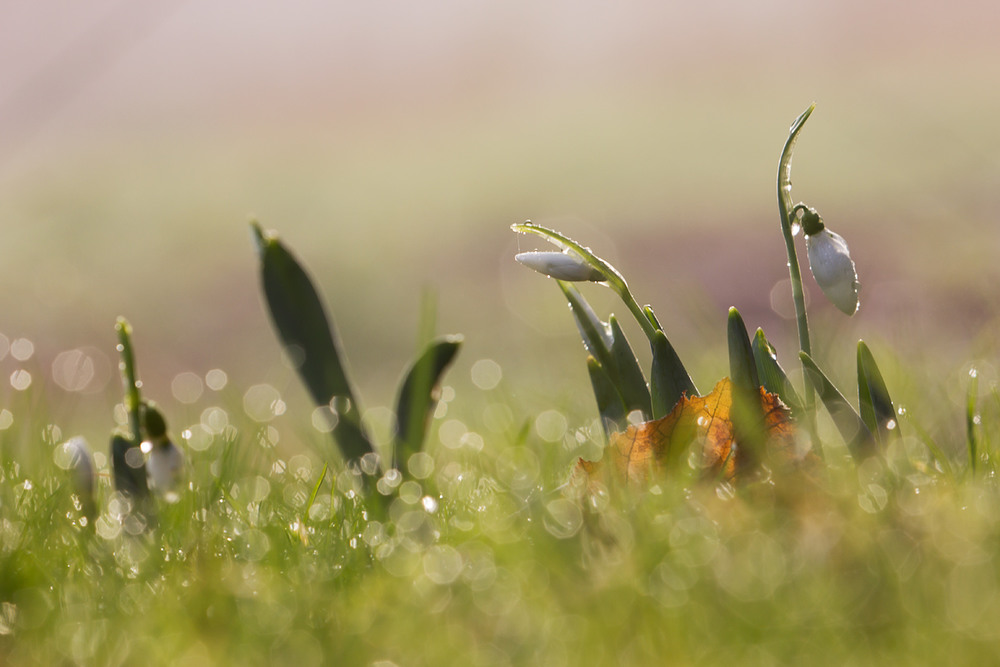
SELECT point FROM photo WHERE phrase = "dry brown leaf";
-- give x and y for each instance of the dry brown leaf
(698, 422)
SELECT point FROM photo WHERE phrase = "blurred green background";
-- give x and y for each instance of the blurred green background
(393, 144)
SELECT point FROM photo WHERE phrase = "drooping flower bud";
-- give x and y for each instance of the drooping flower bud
(560, 265)
(165, 467)
(164, 459)
(830, 262)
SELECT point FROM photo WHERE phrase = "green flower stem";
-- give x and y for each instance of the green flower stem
(127, 368)
(785, 210)
(611, 275)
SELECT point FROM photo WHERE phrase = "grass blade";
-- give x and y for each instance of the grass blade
(933, 448)
(304, 329)
(971, 418)
(857, 435)
(417, 395)
(874, 402)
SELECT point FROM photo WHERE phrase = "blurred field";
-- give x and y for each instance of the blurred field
(392, 147)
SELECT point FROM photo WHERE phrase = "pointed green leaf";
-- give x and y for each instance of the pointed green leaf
(596, 334)
(608, 345)
(631, 382)
(610, 405)
(874, 402)
(668, 379)
(742, 367)
(648, 312)
(748, 414)
(772, 375)
(302, 325)
(417, 395)
(857, 435)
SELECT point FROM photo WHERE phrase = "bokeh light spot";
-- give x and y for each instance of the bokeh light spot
(324, 419)
(22, 349)
(216, 379)
(187, 387)
(262, 403)
(486, 374)
(73, 370)
(215, 419)
(551, 425)
(442, 564)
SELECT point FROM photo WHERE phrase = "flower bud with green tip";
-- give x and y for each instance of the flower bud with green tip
(164, 459)
(560, 265)
(830, 261)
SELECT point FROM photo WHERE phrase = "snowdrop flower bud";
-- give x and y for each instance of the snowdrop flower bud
(81, 466)
(164, 459)
(165, 467)
(560, 265)
(831, 262)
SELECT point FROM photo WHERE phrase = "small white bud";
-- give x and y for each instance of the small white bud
(560, 265)
(833, 268)
(81, 467)
(165, 467)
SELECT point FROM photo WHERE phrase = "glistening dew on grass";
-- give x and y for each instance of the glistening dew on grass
(736, 524)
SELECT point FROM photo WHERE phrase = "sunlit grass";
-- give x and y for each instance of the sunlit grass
(483, 559)
(482, 548)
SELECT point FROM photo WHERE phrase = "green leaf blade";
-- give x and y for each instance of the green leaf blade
(417, 395)
(608, 345)
(304, 329)
(748, 414)
(610, 404)
(874, 402)
(631, 381)
(668, 379)
(860, 441)
(742, 367)
(772, 376)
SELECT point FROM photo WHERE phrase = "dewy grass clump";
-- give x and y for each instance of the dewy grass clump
(729, 525)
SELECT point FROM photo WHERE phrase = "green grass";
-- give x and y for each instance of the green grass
(488, 559)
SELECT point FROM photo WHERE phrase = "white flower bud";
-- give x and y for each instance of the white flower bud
(80, 463)
(560, 265)
(833, 268)
(164, 466)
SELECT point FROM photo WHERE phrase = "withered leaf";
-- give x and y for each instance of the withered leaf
(697, 423)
